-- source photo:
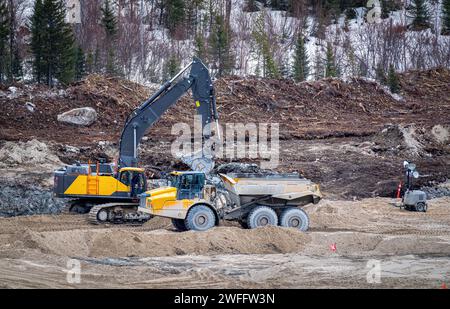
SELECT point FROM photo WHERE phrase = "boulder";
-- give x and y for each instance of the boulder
(84, 116)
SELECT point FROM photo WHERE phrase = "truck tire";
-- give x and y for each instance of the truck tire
(421, 207)
(262, 216)
(179, 225)
(200, 218)
(296, 218)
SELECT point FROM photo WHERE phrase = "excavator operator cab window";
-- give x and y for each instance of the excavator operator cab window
(125, 178)
(136, 180)
(190, 186)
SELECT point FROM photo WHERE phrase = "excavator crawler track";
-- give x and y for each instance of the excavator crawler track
(129, 215)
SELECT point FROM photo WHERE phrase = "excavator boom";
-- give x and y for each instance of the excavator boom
(150, 111)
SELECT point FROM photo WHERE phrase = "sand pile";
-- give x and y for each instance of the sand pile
(127, 243)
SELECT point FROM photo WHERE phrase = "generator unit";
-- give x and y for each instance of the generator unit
(413, 200)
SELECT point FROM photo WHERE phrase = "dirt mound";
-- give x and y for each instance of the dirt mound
(32, 152)
(127, 243)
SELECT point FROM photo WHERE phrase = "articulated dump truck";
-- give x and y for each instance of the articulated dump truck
(252, 200)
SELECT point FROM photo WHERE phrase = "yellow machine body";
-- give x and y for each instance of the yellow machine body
(95, 184)
(163, 202)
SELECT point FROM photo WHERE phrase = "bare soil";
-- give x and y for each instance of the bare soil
(413, 250)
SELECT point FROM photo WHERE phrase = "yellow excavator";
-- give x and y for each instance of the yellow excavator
(109, 192)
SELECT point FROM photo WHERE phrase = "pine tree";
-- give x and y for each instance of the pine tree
(418, 11)
(380, 74)
(284, 69)
(52, 43)
(175, 15)
(393, 80)
(109, 23)
(109, 20)
(15, 62)
(200, 48)
(270, 68)
(446, 17)
(172, 67)
(250, 6)
(318, 65)
(388, 6)
(330, 67)
(80, 65)
(90, 66)
(37, 40)
(111, 63)
(16, 66)
(301, 62)
(4, 38)
(333, 7)
(219, 43)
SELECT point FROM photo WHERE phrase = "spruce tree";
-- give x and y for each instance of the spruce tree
(109, 22)
(418, 11)
(446, 17)
(301, 62)
(175, 15)
(333, 7)
(388, 6)
(171, 68)
(250, 6)
(80, 64)
(200, 48)
(37, 40)
(318, 65)
(380, 74)
(16, 66)
(270, 68)
(219, 43)
(90, 65)
(330, 64)
(52, 43)
(393, 80)
(284, 68)
(4, 38)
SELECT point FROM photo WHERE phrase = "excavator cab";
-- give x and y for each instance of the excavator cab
(133, 178)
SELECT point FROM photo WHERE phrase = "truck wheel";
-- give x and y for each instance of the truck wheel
(296, 218)
(179, 225)
(421, 207)
(262, 216)
(200, 218)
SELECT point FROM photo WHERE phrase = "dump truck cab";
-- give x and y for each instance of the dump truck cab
(189, 185)
(185, 190)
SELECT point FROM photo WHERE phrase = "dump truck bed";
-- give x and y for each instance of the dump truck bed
(280, 189)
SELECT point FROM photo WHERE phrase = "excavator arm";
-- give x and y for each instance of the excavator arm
(151, 110)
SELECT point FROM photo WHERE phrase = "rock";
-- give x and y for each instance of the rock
(30, 106)
(71, 149)
(84, 116)
(14, 92)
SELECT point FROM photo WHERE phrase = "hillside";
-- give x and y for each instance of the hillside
(340, 134)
